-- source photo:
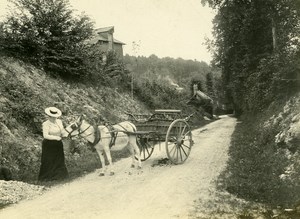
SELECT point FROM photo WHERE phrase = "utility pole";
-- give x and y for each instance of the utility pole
(135, 49)
(132, 85)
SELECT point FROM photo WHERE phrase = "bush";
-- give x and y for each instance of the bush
(47, 34)
(24, 104)
(23, 159)
(275, 78)
(156, 94)
(112, 72)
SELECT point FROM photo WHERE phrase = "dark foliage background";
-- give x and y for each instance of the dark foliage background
(257, 48)
(168, 82)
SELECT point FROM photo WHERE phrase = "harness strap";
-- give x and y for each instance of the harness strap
(125, 130)
(113, 135)
(97, 138)
(97, 135)
(134, 128)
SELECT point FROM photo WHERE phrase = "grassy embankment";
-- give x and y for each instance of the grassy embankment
(264, 166)
(26, 91)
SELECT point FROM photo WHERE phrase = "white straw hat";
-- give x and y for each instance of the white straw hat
(53, 112)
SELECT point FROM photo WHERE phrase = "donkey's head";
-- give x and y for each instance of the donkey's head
(74, 128)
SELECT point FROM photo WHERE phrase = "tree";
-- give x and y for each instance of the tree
(249, 34)
(47, 34)
(210, 85)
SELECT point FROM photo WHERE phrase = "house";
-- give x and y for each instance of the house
(200, 99)
(103, 38)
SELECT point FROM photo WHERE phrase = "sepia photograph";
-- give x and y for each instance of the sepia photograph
(150, 109)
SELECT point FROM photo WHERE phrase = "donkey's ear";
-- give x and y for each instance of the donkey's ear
(81, 117)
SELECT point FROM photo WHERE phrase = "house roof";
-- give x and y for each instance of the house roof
(202, 96)
(101, 35)
(96, 38)
(104, 29)
(119, 42)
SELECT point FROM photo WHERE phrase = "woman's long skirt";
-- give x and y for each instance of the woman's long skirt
(53, 165)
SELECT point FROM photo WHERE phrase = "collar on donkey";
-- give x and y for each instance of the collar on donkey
(98, 137)
(113, 134)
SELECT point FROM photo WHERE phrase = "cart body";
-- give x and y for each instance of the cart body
(164, 125)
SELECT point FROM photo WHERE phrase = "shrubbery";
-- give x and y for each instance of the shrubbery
(49, 35)
(157, 94)
(256, 163)
(24, 104)
(275, 78)
(256, 45)
(168, 82)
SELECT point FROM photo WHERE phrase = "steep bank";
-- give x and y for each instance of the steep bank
(264, 163)
(24, 93)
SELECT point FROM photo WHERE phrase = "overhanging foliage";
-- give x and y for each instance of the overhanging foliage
(249, 35)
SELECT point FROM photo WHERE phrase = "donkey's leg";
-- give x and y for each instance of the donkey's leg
(134, 146)
(131, 150)
(102, 160)
(109, 159)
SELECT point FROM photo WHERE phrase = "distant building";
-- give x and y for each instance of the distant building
(103, 39)
(200, 99)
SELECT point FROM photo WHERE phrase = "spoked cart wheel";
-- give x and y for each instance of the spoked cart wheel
(146, 146)
(179, 141)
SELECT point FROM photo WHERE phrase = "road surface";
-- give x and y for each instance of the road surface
(158, 192)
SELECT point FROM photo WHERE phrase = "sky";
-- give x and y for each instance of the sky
(166, 28)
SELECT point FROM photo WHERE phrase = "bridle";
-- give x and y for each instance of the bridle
(76, 126)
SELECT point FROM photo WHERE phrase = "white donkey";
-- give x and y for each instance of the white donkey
(121, 134)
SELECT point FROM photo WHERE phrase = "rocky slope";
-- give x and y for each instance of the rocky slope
(289, 137)
(14, 191)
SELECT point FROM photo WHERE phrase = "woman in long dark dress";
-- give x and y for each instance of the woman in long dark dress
(53, 165)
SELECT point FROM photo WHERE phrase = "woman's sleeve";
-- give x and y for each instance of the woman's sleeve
(46, 133)
(64, 133)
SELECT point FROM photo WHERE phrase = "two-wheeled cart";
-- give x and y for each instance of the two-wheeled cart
(169, 126)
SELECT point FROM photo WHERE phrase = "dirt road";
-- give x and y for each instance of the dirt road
(160, 192)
